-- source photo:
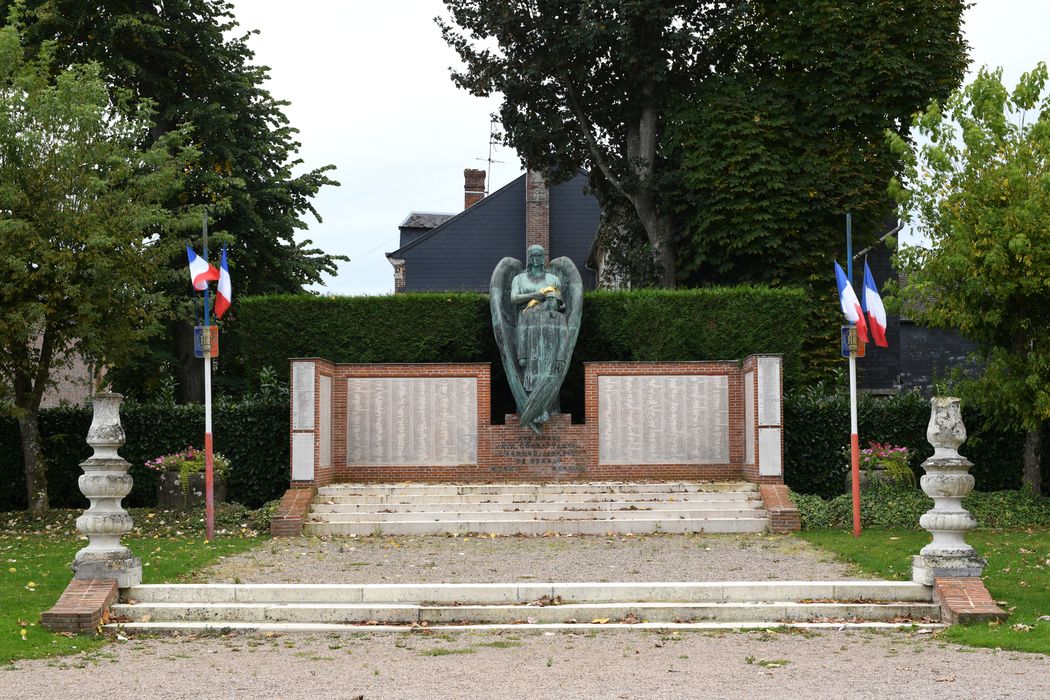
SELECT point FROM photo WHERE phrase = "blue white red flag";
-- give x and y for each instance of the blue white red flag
(872, 305)
(201, 272)
(224, 296)
(850, 305)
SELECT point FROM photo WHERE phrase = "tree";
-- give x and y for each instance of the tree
(588, 84)
(737, 131)
(788, 134)
(83, 229)
(978, 186)
(190, 59)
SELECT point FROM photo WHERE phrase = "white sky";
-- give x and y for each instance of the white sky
(370, 93)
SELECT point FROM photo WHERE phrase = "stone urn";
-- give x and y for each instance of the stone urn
(105, 482)
(170, 492)
(947, 481)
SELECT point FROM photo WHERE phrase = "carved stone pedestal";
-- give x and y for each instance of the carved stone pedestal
(947, 482)
(105, 482)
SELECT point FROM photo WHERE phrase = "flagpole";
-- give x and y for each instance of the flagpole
(854, 439)
(209, 474)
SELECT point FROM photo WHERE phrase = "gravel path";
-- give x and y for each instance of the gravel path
(509, 559)
(847, 664)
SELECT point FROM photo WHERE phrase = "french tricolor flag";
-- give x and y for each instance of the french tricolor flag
(224, 295)
(872, 305)
(201, 272)
(850, 305)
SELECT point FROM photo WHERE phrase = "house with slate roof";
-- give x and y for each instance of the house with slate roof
(446, 252)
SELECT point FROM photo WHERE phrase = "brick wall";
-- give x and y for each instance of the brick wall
(563, 451)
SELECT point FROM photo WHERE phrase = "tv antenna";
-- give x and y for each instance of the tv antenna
(492, 145)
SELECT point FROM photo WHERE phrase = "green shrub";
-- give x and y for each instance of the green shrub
(641, 325)
(889, 507)
(252, 434)
(816, 432)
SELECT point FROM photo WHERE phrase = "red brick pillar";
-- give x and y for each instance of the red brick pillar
(537, 212)
(473, 187)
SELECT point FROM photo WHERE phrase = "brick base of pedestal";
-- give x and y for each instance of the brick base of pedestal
(82, 607)
(965, 601)
(291, 513)
(783, 515)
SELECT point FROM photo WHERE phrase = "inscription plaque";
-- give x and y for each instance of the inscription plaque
(749, 418)
(769, 391)
(302, 456)
(672, 419)
(412, 421)
(324, 422)
(303, 395)
(769, 452)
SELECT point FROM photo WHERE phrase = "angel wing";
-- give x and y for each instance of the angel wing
(505, 324)
(572, 295)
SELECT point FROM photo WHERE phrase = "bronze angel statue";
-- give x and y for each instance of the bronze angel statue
(536, 318)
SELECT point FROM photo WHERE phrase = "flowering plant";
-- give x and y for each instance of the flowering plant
(891, 458)
(187, 462)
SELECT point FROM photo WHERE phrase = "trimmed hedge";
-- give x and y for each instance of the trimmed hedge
(654, 325)
(887, 507)
(253, 434)
(816, 431)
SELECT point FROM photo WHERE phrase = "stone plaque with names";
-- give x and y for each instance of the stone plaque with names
(769, 391)
(324, 422)
(302, 395)
(749, 418)
(663, 419)
(412, 421)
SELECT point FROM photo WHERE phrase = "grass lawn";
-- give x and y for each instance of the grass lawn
(34, 570)
(1018, 577)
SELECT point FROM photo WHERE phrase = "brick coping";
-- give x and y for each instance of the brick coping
(783, 514)
(83, 607)
(966, 601)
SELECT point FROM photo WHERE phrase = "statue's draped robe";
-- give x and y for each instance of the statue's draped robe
(542, 329)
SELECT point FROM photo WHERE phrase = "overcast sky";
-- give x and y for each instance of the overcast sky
(370, 93)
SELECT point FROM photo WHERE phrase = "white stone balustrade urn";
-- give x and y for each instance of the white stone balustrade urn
(105, 482)
(947, 481)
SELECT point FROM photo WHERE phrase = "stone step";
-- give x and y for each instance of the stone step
(446, 516)
(329, 628)
(406, 613)
(489, 593)
(511, 488)
(539, 527)
(511, 498)
(618, 506)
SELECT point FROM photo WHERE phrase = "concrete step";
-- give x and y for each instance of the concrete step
(418, 489)
(402, 613)
(330, 628)
(644, 506)
(596, 526)
(491, 593)
(529, 514)
(640, 497)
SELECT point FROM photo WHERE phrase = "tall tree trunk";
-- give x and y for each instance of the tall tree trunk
(189, 372)
(660, 232)
(33, 457)
(1033, 452)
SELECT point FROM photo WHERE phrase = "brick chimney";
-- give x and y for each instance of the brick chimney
(537, 212)
(473, 187)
